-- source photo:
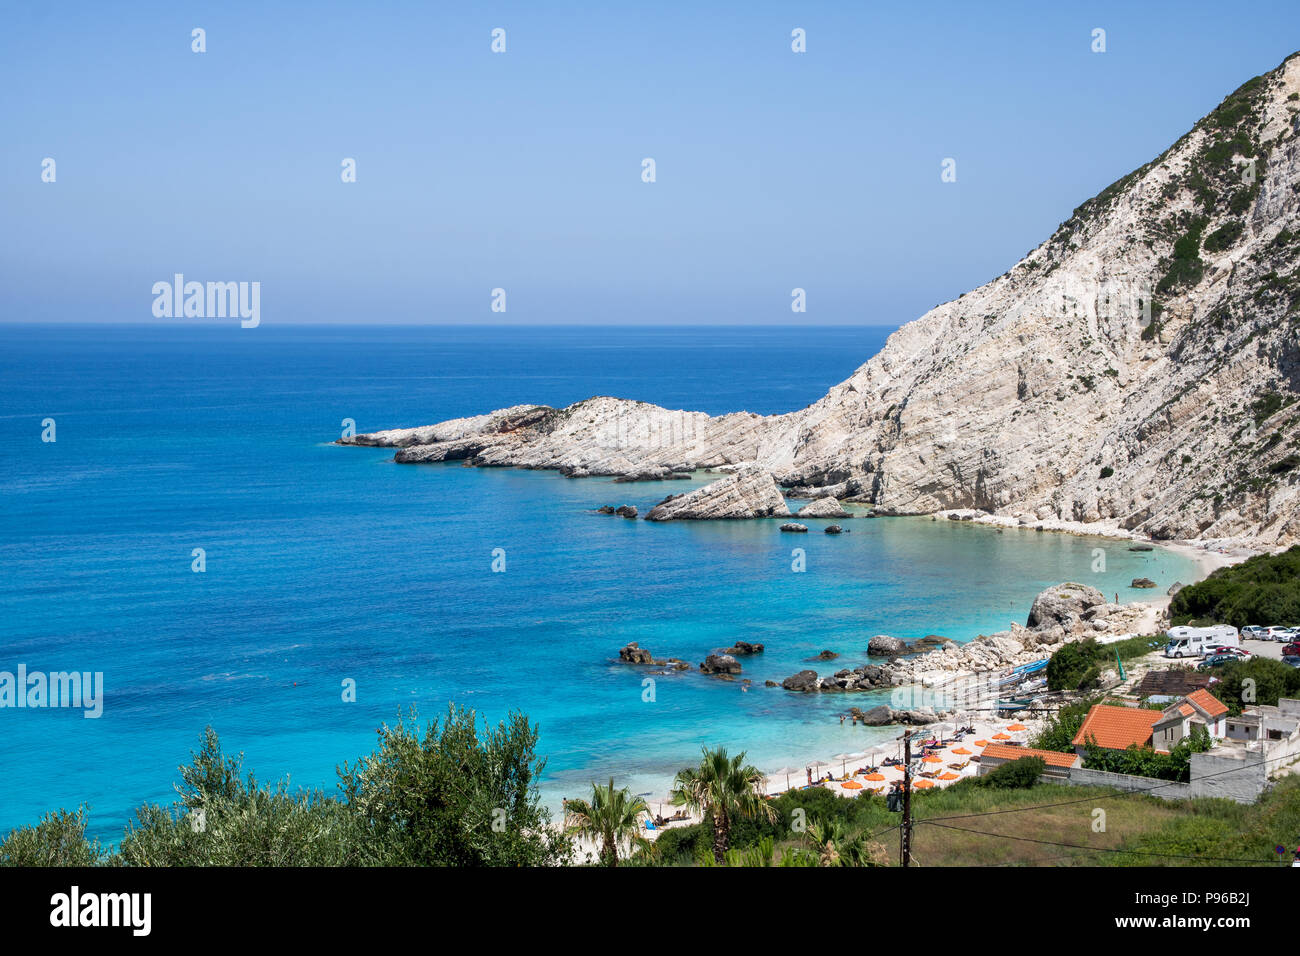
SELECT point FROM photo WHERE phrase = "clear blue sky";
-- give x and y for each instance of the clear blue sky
(523, 170)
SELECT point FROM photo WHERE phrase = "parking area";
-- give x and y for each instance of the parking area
(1271, 649)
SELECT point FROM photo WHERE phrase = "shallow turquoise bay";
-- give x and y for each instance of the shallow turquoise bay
(326, 563)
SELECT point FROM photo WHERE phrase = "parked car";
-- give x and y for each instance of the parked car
(1291, 661)
(1239, 653)
(1291, 650)
(1276, 632)
(1254, 632)
(1216, 660)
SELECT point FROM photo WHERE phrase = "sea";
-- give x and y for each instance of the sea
(192, 534)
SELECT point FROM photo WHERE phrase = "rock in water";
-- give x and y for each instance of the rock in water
(804, 681)
(1142, 583)
(626, 511)
(834, 529)
(720, 664)
(1063, 605)
(882, 645)
(749, 493)
(636, 655)
(794, 528)
(879, 716)
(828, 507)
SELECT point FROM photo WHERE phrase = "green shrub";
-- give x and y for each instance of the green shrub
(1018, 774)
(1260, 679)
(1262, 590)
(58, 840)
(1224, 237)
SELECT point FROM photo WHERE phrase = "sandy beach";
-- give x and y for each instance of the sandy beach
(937, 766)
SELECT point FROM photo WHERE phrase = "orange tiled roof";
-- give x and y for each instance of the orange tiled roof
(1050, 757)
(1208, 703)
(1186, 710)
(1117, 728)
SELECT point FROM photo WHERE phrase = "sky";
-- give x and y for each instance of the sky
(523, 170)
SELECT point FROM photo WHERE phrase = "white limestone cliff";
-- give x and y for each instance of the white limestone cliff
(1138, 370)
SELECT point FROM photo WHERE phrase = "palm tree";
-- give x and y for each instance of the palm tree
(835, 847)
(720, 788)
(611, 817)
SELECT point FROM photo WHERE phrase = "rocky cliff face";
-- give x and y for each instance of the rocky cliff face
(1137, 370)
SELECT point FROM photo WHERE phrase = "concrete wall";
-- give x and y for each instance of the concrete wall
(1228, 776)
(1123, 781)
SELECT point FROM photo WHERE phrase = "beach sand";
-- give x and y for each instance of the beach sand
(948, 763)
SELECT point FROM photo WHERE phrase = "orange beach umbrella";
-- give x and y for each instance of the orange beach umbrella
(851, 785)
(1001, 736)
(1016, 728)
(962, 751)
(981, 743)
(923, 784)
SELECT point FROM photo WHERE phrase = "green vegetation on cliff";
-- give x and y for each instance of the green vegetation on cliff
(1263, 590)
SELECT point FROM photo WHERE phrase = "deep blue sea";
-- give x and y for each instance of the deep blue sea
(326, 564)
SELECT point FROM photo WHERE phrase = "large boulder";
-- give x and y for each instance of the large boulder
(877, 716)
(749, 493)
(804, 681)
(744, 648)
(1063, 605)
(720, 664)
(636, 655)
(882, 645)
(827, 507)
(794, 527)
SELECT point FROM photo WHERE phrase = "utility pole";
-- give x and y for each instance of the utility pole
(905, 847)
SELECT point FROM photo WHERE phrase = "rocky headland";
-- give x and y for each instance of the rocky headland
(1136, 373)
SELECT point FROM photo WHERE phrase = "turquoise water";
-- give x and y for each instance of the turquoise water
(327, 564)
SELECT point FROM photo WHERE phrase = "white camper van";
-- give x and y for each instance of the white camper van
(1187, 641)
